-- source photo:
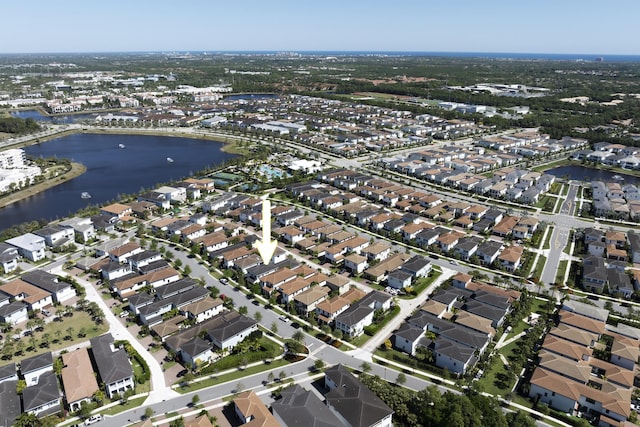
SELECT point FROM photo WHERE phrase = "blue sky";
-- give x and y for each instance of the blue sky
(538, 26)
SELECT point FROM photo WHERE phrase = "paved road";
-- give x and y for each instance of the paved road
(563, 224)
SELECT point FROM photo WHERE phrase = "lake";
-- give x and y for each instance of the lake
(112, 171)
(57, 119)
(583, 173)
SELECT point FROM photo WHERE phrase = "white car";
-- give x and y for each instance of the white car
(284, 319)
(93, 419)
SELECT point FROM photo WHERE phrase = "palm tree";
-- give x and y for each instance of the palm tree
(298, 336)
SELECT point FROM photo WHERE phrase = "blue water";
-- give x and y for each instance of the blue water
(492, 55)
(112, 171)
(252, 96)
(62, 119)
(582, 173)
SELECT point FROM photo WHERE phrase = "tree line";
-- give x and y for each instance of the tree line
(18, 126)
(429, 407)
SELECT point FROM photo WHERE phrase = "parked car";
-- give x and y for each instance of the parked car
(93, 419)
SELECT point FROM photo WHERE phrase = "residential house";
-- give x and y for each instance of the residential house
(352, 402)
(114, 367)
(9, 257)
(307, 301)
(36, 298)
(407, 337)
(14, 312)
(10, 405)
(118, 210)
(8, 372)
(78, 379)
(510, 257)
(56, 236)
(417, 266)
(30, 246)
(327, 310)
(399, 279)
(42, 398)
(453, 355)
(252, 412)
(204, 309)
(355, 263)
(61, 291)
(35, 366)
(594, 274)
(353, 320)
(488, 252)
(122, 253)
(83, 228)
(227, 329)
(299, 407)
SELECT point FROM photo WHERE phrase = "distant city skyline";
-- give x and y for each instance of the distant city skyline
(544, 26)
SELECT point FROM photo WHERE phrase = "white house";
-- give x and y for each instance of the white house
(8, 257)
(14, 313)
(399, 279)
(29, 246)
(33, 367)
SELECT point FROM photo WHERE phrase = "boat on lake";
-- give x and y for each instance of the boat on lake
(121, 145)
(169, 159)
(85, 195)
(618, 178)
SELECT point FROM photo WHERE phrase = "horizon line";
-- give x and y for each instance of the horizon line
(317, 51)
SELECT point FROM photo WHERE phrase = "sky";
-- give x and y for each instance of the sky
(536, 26)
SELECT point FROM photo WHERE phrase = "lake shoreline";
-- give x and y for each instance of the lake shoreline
(230, 146)
(76, 170)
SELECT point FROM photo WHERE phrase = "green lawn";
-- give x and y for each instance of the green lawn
(131, 403)
(547, 241)
(562, 268)
(57, 335)
(423, 283)
(138, 370)
(542, 260)
(498, 379)
(232, 376)
(546, 203)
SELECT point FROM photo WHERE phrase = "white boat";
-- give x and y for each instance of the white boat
(85, 195)
(618, 178)
(169, 159)
(121, 145)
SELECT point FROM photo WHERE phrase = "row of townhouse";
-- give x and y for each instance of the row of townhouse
(515, 185)
(413, 204)
(616, 155)
(607, 257)
(463, 319)
(414, 228)
(570, 378)
(35, 290)
(47, 393)
(612, 200)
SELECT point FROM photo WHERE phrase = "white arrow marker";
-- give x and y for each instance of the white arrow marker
(266, 246)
